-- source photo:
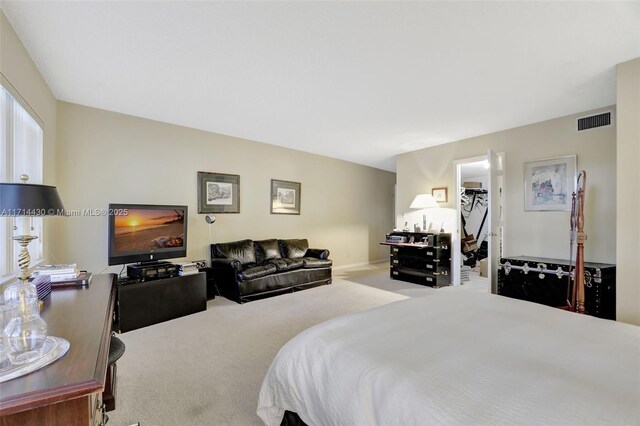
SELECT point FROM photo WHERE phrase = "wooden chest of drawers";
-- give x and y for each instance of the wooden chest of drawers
(426, 261)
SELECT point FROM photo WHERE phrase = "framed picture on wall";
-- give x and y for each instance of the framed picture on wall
(439, 194)
(218, 193)
(285, 197)
(548, 184)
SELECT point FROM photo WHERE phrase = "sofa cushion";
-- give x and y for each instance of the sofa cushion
(313, 262)
(256, 272)
(286, 264)
(242, 251)
(266, 250)
(293, 249)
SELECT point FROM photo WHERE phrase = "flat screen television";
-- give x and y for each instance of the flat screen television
(146, 233)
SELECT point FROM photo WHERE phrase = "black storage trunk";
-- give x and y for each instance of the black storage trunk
(551, 290)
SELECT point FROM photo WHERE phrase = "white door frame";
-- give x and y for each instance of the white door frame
(456, 236)
(495, 230)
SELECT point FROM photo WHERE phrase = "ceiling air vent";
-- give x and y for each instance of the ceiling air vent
(593, 121)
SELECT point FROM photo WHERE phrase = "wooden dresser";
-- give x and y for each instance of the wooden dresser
(424, 259)
(68, 391)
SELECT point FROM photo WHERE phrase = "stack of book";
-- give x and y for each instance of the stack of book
(43, 286)
(63, 275)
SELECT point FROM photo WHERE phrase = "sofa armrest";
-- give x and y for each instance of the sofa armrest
(225, 277)
(317, 253)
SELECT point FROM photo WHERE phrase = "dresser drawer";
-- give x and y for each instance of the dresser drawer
(437, 279)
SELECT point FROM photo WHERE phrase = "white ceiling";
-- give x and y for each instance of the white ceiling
(360, 81)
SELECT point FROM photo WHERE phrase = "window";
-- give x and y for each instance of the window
(21, 140)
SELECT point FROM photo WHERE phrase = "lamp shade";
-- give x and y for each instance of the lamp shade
(424, 201)
(26, 199)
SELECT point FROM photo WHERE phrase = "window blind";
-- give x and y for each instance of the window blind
(21, 152)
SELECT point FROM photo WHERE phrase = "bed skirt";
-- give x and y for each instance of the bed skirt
(291, 419)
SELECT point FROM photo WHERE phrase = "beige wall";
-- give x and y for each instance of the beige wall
(26, 83)
(628, 215)
(543, 234)
(107, 157)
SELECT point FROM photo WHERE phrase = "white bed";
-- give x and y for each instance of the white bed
(458, 357)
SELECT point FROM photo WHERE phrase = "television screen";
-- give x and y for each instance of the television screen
(139, 233)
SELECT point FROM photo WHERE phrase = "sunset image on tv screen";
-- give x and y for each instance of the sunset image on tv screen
(149, 229)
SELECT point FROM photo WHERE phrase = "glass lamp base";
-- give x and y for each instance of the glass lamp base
(54, 348)
(25, 357)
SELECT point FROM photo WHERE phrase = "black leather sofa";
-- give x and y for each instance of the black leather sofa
(245, 270)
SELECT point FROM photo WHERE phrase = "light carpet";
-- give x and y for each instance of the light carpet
(207, 368)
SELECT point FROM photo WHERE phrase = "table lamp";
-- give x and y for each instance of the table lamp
(424, 201)
(25, 199)
(26, 332)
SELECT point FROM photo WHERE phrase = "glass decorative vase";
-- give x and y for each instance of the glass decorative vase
(26, 332)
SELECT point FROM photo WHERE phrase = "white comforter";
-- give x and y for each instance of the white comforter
(458, 358)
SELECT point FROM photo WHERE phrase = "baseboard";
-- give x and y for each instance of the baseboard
(360, 265)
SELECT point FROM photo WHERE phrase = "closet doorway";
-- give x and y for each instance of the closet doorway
(477, 244)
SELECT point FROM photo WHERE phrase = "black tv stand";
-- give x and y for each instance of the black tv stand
(150, 302)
